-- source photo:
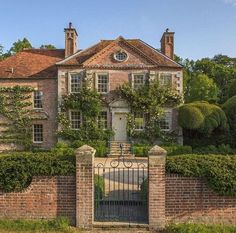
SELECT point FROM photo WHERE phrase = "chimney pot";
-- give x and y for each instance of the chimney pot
(167, 43)
(70, 40)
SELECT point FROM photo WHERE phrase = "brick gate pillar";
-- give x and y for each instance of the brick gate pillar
(156, 195)
(84, 186)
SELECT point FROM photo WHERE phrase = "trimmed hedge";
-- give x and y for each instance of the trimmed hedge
(199, 228)
(142, 150)
(218, 170)
(17, 169)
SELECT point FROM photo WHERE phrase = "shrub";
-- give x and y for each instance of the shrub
(232, 89)
(178, 150)
(190, 117)
(199, 228)
(142, 150)
(229, 108)
(100, 146)
(218, 170)
(17, 169)
(202, 116)
(98, 187)
(212, 149)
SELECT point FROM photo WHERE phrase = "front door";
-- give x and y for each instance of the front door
(119, 126)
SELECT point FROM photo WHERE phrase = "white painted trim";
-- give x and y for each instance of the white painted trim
(168, 110)
(138, 73)
(69, 80)
(81, 122)
(37, 142)
(108, 81)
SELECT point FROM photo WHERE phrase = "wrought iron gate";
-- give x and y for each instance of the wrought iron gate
(121, 190)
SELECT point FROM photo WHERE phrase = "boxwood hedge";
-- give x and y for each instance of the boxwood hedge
(218, 170)
(17, 169)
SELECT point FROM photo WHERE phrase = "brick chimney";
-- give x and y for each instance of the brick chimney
(70, 40)
(167, 43)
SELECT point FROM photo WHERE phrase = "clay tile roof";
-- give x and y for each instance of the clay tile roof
(31, 63)
(80, 57)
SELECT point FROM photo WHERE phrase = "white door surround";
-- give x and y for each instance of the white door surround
(119, 110)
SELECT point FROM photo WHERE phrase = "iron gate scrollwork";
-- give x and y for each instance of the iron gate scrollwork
(121, 190)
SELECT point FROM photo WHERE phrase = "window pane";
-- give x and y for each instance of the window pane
(75, 82)
(38, 99)
(139, 121)
(138, 81)
(165, 79)
(102, 83)
(102, 120)
(38, 133)
(75, 118)
(165, 123)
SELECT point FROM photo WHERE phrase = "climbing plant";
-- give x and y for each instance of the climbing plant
(89, 103)
(15, 105)
(149, 100)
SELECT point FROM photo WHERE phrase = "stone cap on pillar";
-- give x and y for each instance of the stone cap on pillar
(85, 153)
(157, 151)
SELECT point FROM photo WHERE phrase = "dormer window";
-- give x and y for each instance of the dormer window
(120, 56)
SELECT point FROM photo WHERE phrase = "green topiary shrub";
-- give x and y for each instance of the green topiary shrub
(202, 117)
(229, 108)
(190, 117)
(232, 89)
(218, 170)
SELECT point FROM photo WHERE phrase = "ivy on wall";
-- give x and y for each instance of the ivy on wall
(150, 100)
(89, 103)
(15, 105)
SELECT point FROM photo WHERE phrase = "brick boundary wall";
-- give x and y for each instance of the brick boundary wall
(190, 200)
(45, 198)
(172, 198)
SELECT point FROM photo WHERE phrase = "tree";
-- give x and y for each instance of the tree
(47, 46)
(20, 45)
(202, 88)
(221, 68)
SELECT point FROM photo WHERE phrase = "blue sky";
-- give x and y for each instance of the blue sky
(203, 27)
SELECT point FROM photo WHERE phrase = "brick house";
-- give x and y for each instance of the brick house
(107, 64)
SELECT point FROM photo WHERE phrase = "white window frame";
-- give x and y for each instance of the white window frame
(104, 128)
(37, 99)
(38, 142)
(139, 129)
(80, 120)
(133, 78)
(168, 119)
(108, 82)
(160, 79)
(80, 79)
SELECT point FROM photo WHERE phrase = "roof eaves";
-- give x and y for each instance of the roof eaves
(155, 50)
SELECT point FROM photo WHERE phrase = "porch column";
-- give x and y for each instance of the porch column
(156, 194)
(85, 186)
